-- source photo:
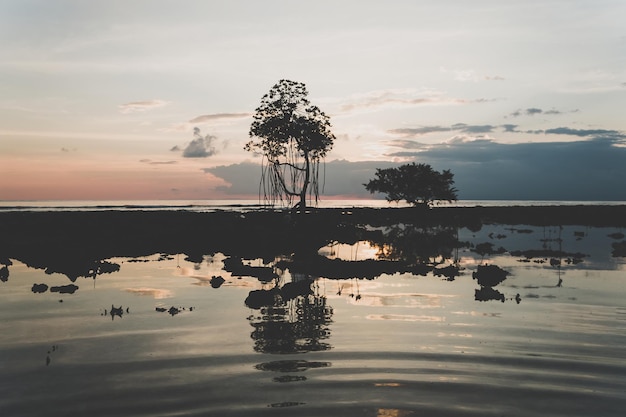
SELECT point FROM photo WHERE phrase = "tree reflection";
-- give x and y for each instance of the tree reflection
(293, 319)
(421, 249)
(417, 245)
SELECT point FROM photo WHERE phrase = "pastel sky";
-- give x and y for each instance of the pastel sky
(520, 99)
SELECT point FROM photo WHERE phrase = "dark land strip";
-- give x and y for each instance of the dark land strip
(77, 243)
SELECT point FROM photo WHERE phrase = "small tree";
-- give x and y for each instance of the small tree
(293, 136)
(418, 184)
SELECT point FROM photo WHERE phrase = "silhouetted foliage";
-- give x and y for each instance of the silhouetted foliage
(417, 184)
(293, 136)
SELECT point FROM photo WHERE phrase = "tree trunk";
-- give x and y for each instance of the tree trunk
(305, 184)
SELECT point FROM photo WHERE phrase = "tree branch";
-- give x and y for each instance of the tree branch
(282, 182)
(289, 165)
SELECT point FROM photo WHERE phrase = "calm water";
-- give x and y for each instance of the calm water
(213, 205)
(546, 341)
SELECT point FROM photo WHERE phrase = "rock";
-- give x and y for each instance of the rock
(262, 298)
(488, 294)
(217, 281)
(116, 311)
(4, 274)
(39, 288)
(65, 289)
(489, 275)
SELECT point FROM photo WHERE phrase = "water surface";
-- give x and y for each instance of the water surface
(168, 335)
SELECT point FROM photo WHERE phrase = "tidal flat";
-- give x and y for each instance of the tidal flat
(465, 311)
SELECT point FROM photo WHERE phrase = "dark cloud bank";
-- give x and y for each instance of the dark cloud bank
(593, 169)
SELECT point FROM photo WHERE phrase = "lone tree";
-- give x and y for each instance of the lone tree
(418, 184)
(293, 136)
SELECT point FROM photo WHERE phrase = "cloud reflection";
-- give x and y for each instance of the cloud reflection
(156, 293)
(404, 317)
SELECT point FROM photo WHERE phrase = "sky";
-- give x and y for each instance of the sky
(153, 99)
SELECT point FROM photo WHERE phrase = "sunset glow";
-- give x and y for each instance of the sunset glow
(99, 99)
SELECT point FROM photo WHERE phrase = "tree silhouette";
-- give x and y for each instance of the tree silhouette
(293, 136)
(418, 184)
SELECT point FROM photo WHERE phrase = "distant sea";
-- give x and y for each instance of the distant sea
(245, 205)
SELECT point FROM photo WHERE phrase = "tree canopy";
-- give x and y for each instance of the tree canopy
(293, 137)
(417, 184)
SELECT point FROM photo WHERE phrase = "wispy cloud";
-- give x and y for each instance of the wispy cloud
(406, 144)
(418, 131)
(141, 106)
(470, 75)
(585, 132)
(494, 78)
(457, 127)
(510, 128)
(590, 133)
(533, 111)
(402, 98)
(213, 118)
(479, 131)
(462, 127)
(151, 162)
(219, 117)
